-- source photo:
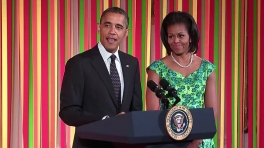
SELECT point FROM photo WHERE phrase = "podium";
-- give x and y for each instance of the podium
(147, 129)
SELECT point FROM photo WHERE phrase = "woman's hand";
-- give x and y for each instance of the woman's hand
(195, 144)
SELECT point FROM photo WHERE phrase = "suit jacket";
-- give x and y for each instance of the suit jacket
(87, 94)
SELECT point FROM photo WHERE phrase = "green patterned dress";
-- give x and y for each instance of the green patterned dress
(190, 89)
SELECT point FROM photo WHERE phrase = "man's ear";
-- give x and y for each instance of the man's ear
(127, 32)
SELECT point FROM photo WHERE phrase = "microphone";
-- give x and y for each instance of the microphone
(159, 92)
(171, 91)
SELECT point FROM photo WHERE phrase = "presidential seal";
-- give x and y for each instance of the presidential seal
(179, 122)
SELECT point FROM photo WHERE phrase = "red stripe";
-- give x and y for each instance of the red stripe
(157, 30)
(62, 65)
(242, 69)
(211, 31)
(86, 25)
(250, 52)
(110, 3)
(138, 30)
(171, 5)
(52, 76)
(44, 76)
(228, 65)
(261, 122)
(10, 62)
(185, 6)
(93, 24)
(26, 71)
(199, 24)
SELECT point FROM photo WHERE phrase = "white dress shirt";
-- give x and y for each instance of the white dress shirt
(106, 57)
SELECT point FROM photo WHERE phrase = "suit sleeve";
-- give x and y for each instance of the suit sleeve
(71, 96)
(136, 104)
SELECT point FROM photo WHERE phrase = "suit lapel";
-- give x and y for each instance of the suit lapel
(100, 67)
(125, 66)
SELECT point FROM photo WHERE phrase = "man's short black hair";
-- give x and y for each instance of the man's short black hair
(118, 11)
(179, 17)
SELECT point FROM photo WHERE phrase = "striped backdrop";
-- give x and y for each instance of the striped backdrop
(39, 36)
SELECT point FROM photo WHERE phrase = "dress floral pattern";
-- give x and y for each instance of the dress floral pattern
(190, 89)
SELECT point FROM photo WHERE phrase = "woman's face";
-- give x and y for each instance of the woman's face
(178, 38)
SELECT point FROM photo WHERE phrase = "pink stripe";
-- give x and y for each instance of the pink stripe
(35, 84)
(206, 31)
(133, 27)
(68, 29)
(62, 65)
(126, 9)
(52, 77)
(138, 29)
(10, 71)
(157, 30)
(228, 87)
(250, 65)
(211, 32)
(199, 24)
(93, 24)
(26, 72)
(44, 75)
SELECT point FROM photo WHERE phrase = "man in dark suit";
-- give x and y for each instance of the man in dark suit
(101, 82)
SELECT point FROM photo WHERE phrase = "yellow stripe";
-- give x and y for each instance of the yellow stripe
(147, 58)
(106, 4)
(258, 72)
(195, 9)
(179, 5)
(21, 42)
(38, 70)
(4, 75)
(236, 74)
(164, 13)
(222, 74)
(56, 70)
(117, 3)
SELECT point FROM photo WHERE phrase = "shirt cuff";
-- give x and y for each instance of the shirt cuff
(105, 117)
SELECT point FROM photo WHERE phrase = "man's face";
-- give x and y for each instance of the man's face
(112, 30)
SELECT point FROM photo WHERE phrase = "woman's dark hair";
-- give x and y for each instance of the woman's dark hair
(179, 17)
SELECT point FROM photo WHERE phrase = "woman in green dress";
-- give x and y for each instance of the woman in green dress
(193, 77)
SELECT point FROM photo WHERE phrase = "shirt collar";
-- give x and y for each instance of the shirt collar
(105, 54)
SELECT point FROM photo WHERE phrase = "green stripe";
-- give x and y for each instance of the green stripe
(216, 54)
(31, 89)
(113, 3)
(98, 15)
(143, 51)
(130, 44)
(190, 6)
(238, 82)
(233, 73)
(175, 5)
(81, 29)
(203, 30)
(255, 75)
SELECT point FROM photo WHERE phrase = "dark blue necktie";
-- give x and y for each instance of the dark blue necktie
(115, 81)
